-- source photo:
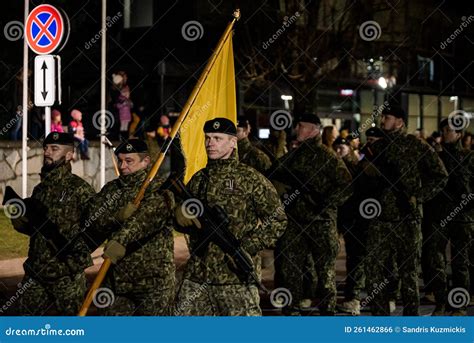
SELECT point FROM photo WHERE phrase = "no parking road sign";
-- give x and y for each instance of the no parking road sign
(47, 29)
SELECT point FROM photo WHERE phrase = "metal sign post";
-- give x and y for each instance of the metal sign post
(46, 30)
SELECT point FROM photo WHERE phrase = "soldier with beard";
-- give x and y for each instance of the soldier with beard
(54, 275)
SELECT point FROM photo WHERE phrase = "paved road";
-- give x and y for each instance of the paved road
(11, 273)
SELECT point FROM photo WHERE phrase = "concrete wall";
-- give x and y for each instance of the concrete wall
(11, 165)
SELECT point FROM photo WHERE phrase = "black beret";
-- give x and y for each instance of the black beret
(374, 132)
(341, 141)
(395, 111)
(242, 122)
(59, 138)
(309, 118)
(132, 146)
(220, 125)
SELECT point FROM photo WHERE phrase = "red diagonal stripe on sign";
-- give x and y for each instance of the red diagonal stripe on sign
(43, 29)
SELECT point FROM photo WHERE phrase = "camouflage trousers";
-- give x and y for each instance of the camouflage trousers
(391, 244)
(321, 241)
(202, 299)
(145, 297)
(459, 235)
(64, 295)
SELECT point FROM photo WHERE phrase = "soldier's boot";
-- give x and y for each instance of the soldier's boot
(306, 303)
(351, 306)
(392, 305)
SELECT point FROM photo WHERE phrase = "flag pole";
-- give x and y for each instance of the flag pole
(154, 170)
(187, 106)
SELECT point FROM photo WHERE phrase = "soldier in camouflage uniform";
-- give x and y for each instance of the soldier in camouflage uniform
(248, 153)
(321, 183)
(410, 173)
(55, 274)
(210, 285)
(140, 240)
(453, 219)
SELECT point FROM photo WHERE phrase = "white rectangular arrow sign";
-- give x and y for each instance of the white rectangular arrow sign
(45, 80)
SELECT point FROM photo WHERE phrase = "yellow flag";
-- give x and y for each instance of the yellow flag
(216, 98)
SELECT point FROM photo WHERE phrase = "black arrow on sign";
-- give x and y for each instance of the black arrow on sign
(44, 93)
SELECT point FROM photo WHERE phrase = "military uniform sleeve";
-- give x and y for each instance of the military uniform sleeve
(434, 176)
(279, 171)
(150, 217)
(78, 255)
(269, 210)
(100, 209)
(335, 187)
(264, 162)
(98, 219)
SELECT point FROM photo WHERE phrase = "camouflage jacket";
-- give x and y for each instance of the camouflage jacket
(319, 179)
(254, 212)
(252, 156)
(147, 234)
(409, 167)
(458, 195)
(65, 195)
